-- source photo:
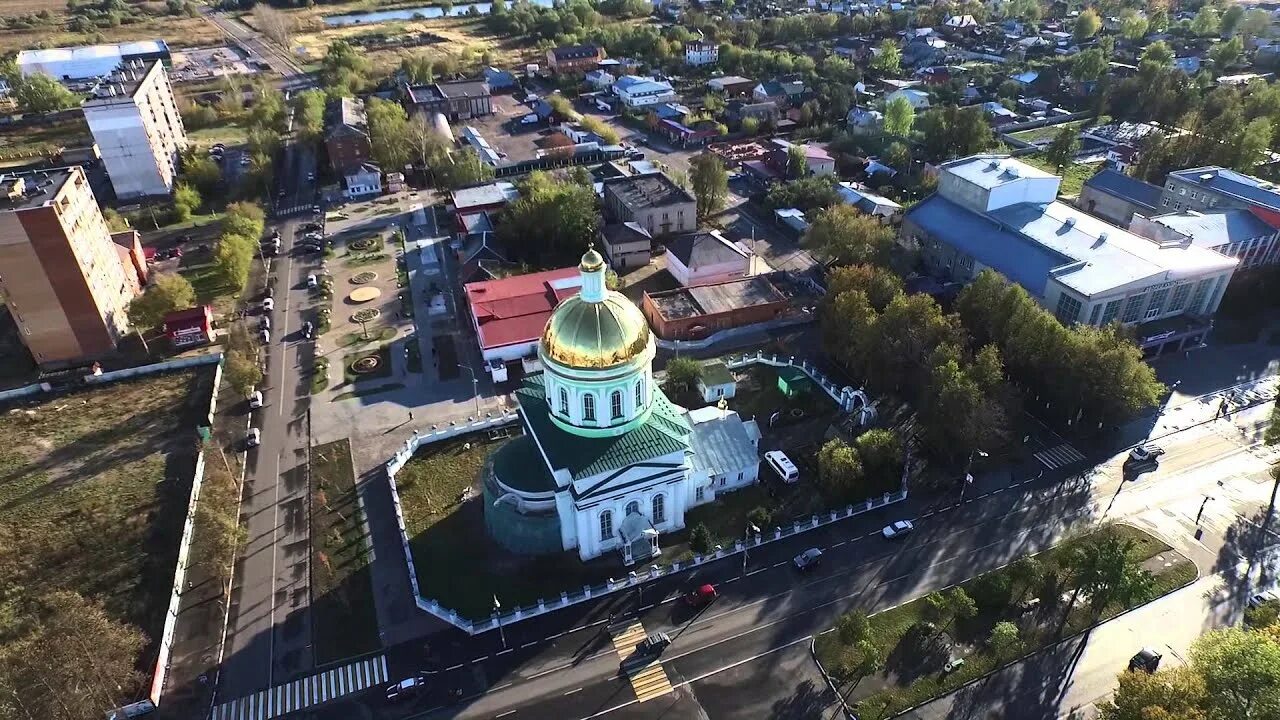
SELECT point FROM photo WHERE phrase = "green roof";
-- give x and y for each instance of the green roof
(665, 431)
(716, 373)
(519, 466)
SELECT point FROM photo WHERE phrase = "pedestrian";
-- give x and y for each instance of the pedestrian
(410, 416)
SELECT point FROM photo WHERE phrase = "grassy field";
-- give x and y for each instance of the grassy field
(909, 681)
(230, 135)
(177, 31)
(42, 139)
(1048, 132)
(344, 620)
(1073, 176)
(464, 39)
(94, 491)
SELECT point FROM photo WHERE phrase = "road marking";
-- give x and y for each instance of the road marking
(305, 692)
(929, 513)
(573, 691)
(528, 644)
(838, 544)
(509, 712)
(453, 667)
(504, 652)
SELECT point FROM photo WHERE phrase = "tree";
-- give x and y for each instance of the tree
(841, 235)
(840, 471)
(1226, 53)
(1241, 672)
(186, 200)
(750, 125)
(308, 115)
(869, 660)
(950, 132)
(1026, 571)
(342, 70)
(853, 627)
(388, 133)
(936, 608)
(1256, 23)
(882, 455)
(700, 539)
(887, 59)
(1103, 570)
(797, 163)
(1272, 434)
(1087, 25)
(1063, 149)
(463, 168)
(811, 193)
(233, 258)
(1004, 638)
(274, 24)
(551, 221)
(899, 117)
(244, 218)
(242, 371)
(1173, 694)
(202, 172)
(1089, 65)
(1158, 54)
(710, 183)
(683, 375)
(1133, 25)
(165, 293)
(1231, 19)
(39, 93)
(880, 285)
(962, 606)
(1207, 22)
(67, 659)
(601, 128)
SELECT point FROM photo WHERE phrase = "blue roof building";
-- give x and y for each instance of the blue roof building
(995, 212)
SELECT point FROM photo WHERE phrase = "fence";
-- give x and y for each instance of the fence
(179, 364)
(731, 333)
(842, 395)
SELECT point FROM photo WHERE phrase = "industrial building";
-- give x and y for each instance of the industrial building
(66, 281)
(135, 123)
(89, 61)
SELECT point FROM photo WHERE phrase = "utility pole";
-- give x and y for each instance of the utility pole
(968, 477)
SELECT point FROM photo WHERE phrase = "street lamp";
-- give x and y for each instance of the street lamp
(968, 477)
(475, 387)
(497, 615)
(751, 529)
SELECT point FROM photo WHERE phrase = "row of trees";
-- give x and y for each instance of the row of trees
(242, 229)
(398, 139)
(552, 221)
(852, 473)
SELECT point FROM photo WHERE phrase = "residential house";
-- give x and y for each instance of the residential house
(456, 100)
(731, 85)
(919, 99)
(1116, 197)
(626, 245)
(699, 133)
(599, 79)
(573, 59)
(653, 202)
(964, 23)
(481, 199)
(764, 112)
(780, 93)
(705, 256)
(701, 52)
(921, 51)
(361, 180)
(500, 80)
(995, 212)
(999, 114)
(862, 119)
(510, 314)
(347, 135)
(869, 203)
(641, 92)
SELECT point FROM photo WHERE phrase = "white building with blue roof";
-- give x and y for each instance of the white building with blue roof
(991, 211)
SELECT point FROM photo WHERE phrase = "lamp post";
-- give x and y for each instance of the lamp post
(968, 478)
(751, 528)
(475, 387)
(497, 615)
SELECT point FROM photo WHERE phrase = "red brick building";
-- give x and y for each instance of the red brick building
(693, 313)
(190, 327)
(347, 135)
(574, 58)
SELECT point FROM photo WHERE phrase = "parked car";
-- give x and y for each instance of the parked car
(1147, 660)
(407, 688)
(1265, 596)
(268, 305)
(244, 160)
(253, 438)
(264, 336)
(314, 235)
(653, 644)
(255, 400)
(308, 329)
(264, 322)
(700, 597)
(312, 227)
(312, 281)
(808, 559)
(897, 529)
(1146, 453)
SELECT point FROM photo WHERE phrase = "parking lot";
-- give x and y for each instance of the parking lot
(195, 64)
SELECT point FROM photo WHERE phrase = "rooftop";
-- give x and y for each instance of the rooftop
(1218, 227)
(496, 193)
(703, 248)
(24, 191)
(124, 82)
(639, 192)
(1127, 188)
(717, 297)
(628, 232)
(575, 52)
(721, 441)
(1233, 184)
(516, 309)
(91, 52)
(716, 373)
(992, 171)
(663, 432)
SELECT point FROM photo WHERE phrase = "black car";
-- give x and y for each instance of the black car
(312, 227)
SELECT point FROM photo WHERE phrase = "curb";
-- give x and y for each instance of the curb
(813, 653)
(1000, 668)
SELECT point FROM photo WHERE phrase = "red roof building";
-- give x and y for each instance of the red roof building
(190, 327)
(510, 314)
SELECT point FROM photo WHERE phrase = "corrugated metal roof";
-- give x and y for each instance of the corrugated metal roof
(1126, 188)
(1216, 228)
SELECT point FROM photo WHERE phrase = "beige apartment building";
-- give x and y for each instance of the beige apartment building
(65, 280)
(653, 202)
(135, 122)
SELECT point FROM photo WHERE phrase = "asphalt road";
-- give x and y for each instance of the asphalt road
(255, 44)
(268, 636)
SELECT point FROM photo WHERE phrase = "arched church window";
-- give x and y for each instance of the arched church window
(606, 525)
(659, 509)
(639, 394)
(589, 407)
(633, 507)
(564, 401)
(615, 404)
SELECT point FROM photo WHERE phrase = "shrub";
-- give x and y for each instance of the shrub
(700, 539)
(853, 627)
(760, 517)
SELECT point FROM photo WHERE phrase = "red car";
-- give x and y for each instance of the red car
(701, 597)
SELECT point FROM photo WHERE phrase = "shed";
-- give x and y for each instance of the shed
(793, 381)
(716, 382)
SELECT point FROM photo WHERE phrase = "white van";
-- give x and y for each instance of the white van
(782, 465)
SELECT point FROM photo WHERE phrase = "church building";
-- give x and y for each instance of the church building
(608, 462)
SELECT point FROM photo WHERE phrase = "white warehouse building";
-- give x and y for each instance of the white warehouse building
(89, 61)
(995, 212)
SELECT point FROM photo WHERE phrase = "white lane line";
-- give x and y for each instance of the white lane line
(528, 644)
(382, 664)
(838, 544)
(509, 712)
(504, 652)
(573, 691)
(553, 637)
(760, 570)
(453, 667)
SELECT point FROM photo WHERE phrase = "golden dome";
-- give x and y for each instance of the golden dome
(591, 261)
(582, 334)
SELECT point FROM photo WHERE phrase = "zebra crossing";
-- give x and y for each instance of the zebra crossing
(289, 210)
(305, 692)
(1059, 456)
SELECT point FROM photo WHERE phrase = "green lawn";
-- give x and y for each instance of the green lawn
(94, 488)
(1073, 175)
(383, 370)
(344, 620)
(906, 682)
(1048, 132)
(229, 135)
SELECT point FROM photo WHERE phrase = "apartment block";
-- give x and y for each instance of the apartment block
(135, 122)
(66, 281)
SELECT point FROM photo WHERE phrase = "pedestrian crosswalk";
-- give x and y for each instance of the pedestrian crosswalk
(1059, 456)
(648, 678)
(288, 210)
(306, 692)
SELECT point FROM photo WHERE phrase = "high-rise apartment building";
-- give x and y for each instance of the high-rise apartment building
(135, 122)
(66, 281)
